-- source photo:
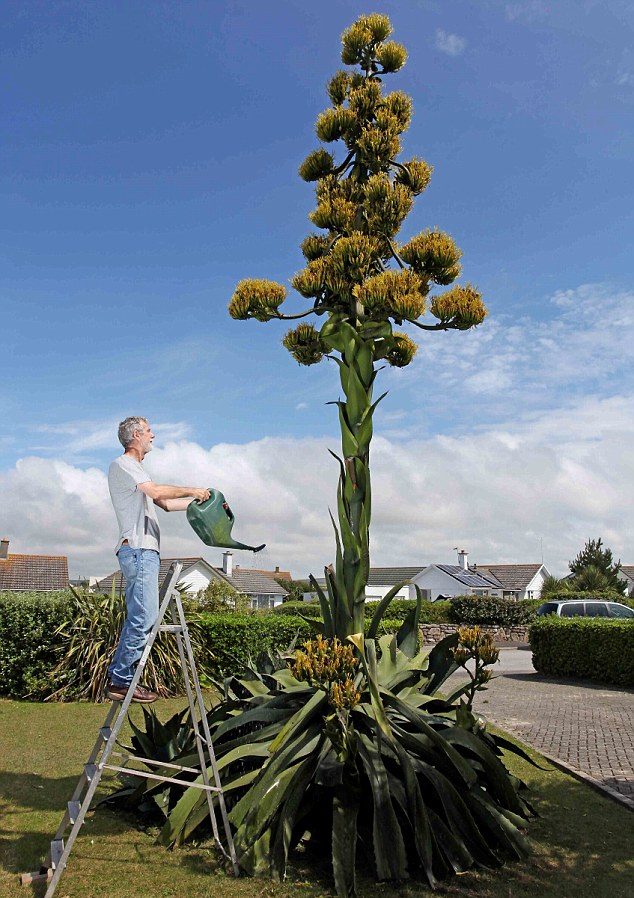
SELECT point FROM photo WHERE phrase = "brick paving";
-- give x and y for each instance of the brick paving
(588, 726)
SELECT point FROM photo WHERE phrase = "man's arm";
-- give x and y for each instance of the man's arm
(172, 498)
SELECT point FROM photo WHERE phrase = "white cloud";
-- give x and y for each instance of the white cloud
(527, 12)
(451, 44)
(562, 477)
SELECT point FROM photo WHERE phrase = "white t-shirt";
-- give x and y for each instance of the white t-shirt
(136, 512)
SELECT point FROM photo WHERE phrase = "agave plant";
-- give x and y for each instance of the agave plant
(349, 739)
(355, 741)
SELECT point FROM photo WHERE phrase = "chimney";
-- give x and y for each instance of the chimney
(227, 563)
(463, 559)
(4, 549)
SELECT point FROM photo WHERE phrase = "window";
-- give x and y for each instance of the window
(547, 608)
(530, 593)
(596, 609)
(260, 602)
(615, 610)
(572, 609)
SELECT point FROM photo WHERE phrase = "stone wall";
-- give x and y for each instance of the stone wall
(433, 633)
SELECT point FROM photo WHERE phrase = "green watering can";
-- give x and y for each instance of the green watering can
(213, 521)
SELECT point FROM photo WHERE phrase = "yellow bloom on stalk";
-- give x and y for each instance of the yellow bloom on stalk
(304, 344)
(393, 293)
(402, 351)
(351, 257)
(361, 35)
(325, 661)
(462, 307)
(332, 124)
(416, 176)
(338, 87)
(316, 165)
(387, 203)
(392, 56)
(434, 254)
(335, 215)
(399, 105)
(310, 280)
(256, 298)
(344, 696)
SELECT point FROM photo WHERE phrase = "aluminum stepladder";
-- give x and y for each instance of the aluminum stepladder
(105, 747)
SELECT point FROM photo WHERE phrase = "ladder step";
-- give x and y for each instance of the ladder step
(105, 733)
(89, 771)
(57, 850)
(170, 628)
(74, 807)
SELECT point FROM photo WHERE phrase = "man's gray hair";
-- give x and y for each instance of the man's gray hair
(127, 428)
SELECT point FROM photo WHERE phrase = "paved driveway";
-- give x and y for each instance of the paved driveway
(587, 726)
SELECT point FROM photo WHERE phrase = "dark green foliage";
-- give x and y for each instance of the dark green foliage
(594, 555)
(590, 647)
(580, 595)
(295, 589)
(235, 640)
(431, 612)
(28, 646)
(492, 610)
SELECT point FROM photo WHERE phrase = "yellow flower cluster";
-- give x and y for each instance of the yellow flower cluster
(416, 175)
(434, 255)
(387, 204)
(472, 641)
(362, 35)
(461, 307)
(304, 344)
(379, 142)
(324, 662)
(315, 246)
(316, 165)
(394, 293)
(399, 105)
(392, 56)
(402, 351)
(333, 124)
(338, 87)
(352, 257)
(256, 298)
(344, 696)
(336, 214)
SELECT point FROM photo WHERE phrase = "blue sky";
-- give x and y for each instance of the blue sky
(149, 162)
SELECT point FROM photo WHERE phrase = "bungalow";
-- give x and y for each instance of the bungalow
(259, 586)
(518, 581)
(31, 573)
(626, 574)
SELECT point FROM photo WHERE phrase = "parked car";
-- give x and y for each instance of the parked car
(593, 608)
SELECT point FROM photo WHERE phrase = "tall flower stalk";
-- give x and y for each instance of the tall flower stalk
(363, 282)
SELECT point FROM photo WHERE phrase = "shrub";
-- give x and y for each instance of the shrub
(398, 609)
(236, 639)
(28, 645)
(492, 610)
(597, 648)
(589, 595)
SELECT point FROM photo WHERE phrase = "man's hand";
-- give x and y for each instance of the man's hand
(200, 495)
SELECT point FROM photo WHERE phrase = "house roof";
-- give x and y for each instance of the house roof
(37, 573)
(628, 570)
(244, 580)
(274, 575)
(510, 576)
(468, 577)
(390, 576)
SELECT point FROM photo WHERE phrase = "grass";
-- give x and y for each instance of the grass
(581, 841)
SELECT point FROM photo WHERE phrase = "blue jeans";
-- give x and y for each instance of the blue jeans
(140, 568)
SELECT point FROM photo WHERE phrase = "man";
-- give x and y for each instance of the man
(134, 495)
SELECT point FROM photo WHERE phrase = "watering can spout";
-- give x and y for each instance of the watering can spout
(213, 521)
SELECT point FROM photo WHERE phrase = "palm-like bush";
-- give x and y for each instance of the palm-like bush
(89, 638)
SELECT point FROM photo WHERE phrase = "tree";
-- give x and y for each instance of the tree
(595, 556)
(362, 282)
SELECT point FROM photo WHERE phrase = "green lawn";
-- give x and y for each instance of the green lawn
(582, 841)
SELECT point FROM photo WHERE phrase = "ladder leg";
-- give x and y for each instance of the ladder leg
(210, 750)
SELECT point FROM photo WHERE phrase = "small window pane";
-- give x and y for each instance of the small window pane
(596, 609)
(620, 611)
(572, 609)
(547, 608)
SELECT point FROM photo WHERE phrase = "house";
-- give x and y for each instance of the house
(626, 574)
(442, 581)
(31, 573)
(518, 581)
(259, 586)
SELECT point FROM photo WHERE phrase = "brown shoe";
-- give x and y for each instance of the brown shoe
(141, 694)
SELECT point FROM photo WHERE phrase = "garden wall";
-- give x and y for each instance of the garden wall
(432, 633)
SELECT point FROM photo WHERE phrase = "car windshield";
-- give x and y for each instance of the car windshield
(547, 608)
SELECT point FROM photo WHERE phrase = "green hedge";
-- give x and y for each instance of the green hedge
(236, 638)
(493, 610)
(431, 612)
(28, 647)
(594, 648)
